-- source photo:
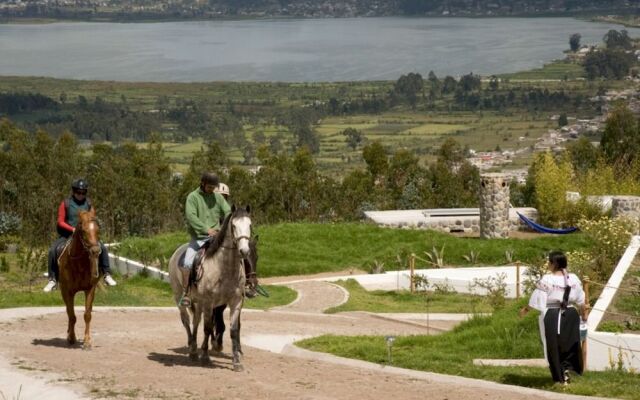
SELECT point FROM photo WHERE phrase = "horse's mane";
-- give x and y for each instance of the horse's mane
(215, 244)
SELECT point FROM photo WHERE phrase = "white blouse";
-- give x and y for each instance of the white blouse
(549, 292)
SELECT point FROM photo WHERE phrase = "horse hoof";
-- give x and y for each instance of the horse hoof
(86, 346)
(193, 356)
(205, 360)
(71, 341)
(217, 348)
(238, 368)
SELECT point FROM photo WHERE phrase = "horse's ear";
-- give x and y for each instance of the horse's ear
(92, 212)
(249, 209)
(233, 208)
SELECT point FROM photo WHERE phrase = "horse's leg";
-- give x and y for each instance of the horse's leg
(208, 331)
(186, 322)
(88, 307)
(71, 315)
(219, 327)
(234, 321)
(195, 322)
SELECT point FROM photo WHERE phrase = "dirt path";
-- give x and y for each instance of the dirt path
(141, 354)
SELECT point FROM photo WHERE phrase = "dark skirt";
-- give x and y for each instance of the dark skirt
(564, 351)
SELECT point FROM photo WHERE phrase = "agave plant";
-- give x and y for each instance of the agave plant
(436, 257)
(472, 257)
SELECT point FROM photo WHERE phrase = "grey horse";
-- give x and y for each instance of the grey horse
(222, 282)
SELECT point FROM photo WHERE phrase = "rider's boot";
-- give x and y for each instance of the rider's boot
(251, 282)
(185, 301)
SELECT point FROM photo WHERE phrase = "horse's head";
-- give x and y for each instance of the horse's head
(89, 232)
(241, 229)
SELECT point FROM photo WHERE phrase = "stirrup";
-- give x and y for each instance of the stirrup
(250, 292)
(184, 301)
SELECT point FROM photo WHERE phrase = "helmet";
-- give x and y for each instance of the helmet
(222, 189)
(79, 184)
(209, 178)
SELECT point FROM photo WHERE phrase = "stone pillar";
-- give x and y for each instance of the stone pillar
(626, 207)
(494, 206)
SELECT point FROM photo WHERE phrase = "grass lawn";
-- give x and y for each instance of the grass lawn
(383, 301)
(306, 248)
(503, 335)
(624, 312)
(135, 291)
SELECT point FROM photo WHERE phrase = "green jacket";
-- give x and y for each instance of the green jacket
(204, 211)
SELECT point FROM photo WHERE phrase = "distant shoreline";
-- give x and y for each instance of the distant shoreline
(133, 18)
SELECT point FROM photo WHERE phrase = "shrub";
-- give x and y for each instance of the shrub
(4, 264)
(10, 223)
(496, 287)
(6, 240)
(552, 180)
(610, 238)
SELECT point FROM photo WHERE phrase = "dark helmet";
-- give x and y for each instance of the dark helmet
(79, 184)
(209, 178)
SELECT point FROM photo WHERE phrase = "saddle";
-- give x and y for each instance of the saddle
(60, 248)
(196, 271)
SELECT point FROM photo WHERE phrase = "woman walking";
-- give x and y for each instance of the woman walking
(556, 295)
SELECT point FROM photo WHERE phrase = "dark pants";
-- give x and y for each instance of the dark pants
(563, 351)
(103, 259)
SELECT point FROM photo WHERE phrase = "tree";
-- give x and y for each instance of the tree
(470, 82)
(353, 137)
(375, 156)
(563, 121)
(450, 153)
(608, 63)
(583, 155)
(620, 141)
(617, 40)
(574, 41)
(551, 182)
(449, 84)
(408, 86)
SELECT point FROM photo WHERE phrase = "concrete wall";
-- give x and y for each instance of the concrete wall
(131, 267)
(467, 220)
(604, 348)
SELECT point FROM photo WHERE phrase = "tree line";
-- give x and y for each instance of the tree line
(136, 192)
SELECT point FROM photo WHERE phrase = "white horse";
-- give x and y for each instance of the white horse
(222, 282)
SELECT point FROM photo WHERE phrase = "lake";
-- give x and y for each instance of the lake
(302, 50)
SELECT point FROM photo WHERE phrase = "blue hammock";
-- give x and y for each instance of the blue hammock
(544, 229)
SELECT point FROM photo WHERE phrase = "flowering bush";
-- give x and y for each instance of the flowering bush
(610, 238)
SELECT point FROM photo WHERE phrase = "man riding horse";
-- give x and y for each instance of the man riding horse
(205, 208)
(66, 224)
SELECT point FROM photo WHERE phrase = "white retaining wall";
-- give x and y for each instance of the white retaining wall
(604, 349)
(457, 278)
(130, 267)
(446, 220)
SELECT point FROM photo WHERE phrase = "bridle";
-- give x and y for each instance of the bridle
(235, 239)
(85, 246)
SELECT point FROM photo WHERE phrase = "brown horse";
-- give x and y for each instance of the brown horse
(79, 272)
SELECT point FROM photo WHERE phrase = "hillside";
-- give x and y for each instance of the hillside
(118, 10)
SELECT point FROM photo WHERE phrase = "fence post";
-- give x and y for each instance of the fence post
(587, 309)
(517, 280)
(412, 266)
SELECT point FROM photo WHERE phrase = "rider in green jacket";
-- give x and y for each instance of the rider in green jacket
(204, 210)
